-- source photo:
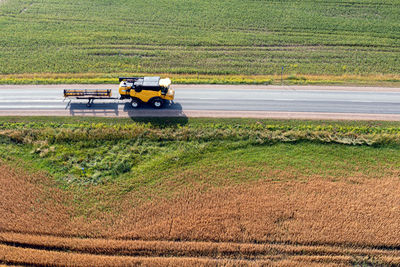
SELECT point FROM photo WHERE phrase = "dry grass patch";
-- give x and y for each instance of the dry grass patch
(357, 211)
(29, 202)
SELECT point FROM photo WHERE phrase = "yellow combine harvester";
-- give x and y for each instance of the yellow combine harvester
(139, 90)
(151, 90)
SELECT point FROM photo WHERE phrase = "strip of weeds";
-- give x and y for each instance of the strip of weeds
(93, 78)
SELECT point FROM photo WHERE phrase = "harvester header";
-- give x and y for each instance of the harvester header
(87, 93)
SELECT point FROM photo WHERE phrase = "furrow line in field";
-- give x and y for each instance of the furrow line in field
(28, 256)
(207, 250)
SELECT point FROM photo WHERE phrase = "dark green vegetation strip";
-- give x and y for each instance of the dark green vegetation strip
(97, 150)
(204, 37)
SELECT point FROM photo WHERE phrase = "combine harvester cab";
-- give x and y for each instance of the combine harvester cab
(152, 90)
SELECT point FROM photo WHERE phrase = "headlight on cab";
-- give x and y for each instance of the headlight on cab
(171, 92)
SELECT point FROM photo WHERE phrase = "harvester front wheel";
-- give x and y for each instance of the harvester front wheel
(135, 103)
(157, 103)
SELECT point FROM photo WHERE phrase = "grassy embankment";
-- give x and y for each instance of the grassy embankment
(296, 192)
(331, 42)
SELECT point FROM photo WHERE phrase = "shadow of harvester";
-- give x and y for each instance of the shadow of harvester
(96, 110)
(170, 114)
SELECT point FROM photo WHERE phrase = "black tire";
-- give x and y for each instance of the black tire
(157, 103)
(89, 104)
(135, 103)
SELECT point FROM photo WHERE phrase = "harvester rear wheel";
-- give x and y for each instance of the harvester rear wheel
(157, 103)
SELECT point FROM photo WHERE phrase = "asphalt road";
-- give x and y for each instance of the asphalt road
(209, 100)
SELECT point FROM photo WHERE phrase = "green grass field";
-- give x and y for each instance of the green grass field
(104, 39)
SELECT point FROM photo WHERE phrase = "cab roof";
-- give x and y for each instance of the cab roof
(149, 81)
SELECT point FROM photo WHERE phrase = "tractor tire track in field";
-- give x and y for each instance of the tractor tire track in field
(18, 248)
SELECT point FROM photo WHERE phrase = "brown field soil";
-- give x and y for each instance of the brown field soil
(313, 221)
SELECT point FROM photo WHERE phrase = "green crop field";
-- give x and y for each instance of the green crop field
(194, 41)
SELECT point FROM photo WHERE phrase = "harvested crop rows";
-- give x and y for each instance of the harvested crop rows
(18, 248)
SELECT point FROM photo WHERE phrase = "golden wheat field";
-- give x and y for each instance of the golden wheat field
(355, 220)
